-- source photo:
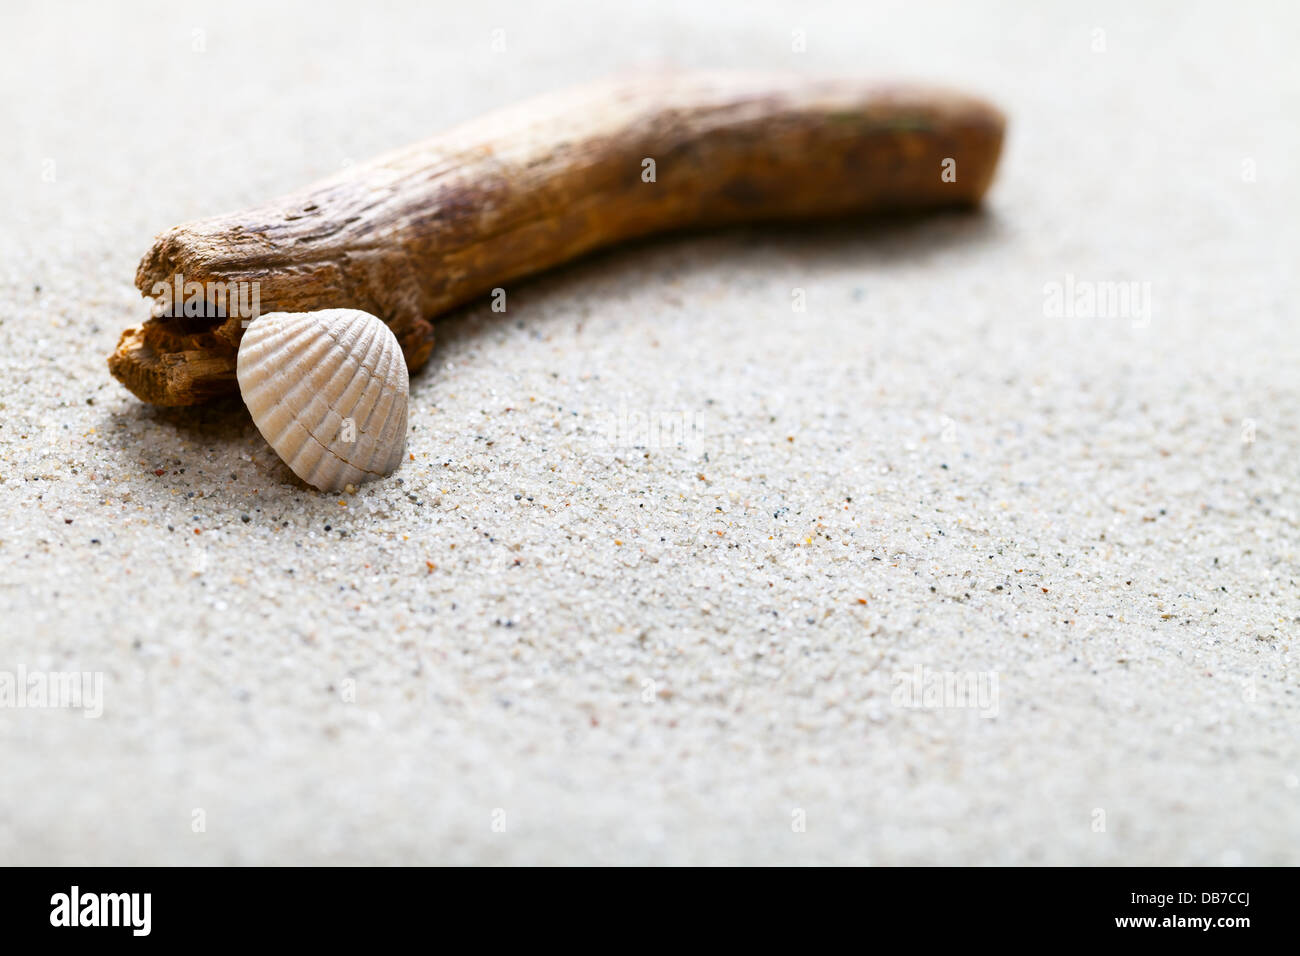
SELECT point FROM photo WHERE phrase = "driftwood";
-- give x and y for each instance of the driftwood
(415, 232)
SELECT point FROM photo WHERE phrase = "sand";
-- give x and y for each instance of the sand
(950, 567)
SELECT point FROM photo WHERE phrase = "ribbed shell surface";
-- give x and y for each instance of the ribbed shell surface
(328, 391)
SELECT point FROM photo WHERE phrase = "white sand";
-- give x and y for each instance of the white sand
(922, 470)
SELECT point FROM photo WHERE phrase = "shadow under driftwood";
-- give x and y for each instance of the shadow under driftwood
(817, 247)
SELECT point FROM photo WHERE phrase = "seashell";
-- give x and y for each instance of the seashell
(328, 391)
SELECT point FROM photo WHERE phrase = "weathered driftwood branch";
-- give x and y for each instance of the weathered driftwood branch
(418, 231)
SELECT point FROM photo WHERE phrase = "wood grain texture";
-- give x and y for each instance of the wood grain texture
(416, 232)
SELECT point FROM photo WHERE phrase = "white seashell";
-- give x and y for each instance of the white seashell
(328, 391)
